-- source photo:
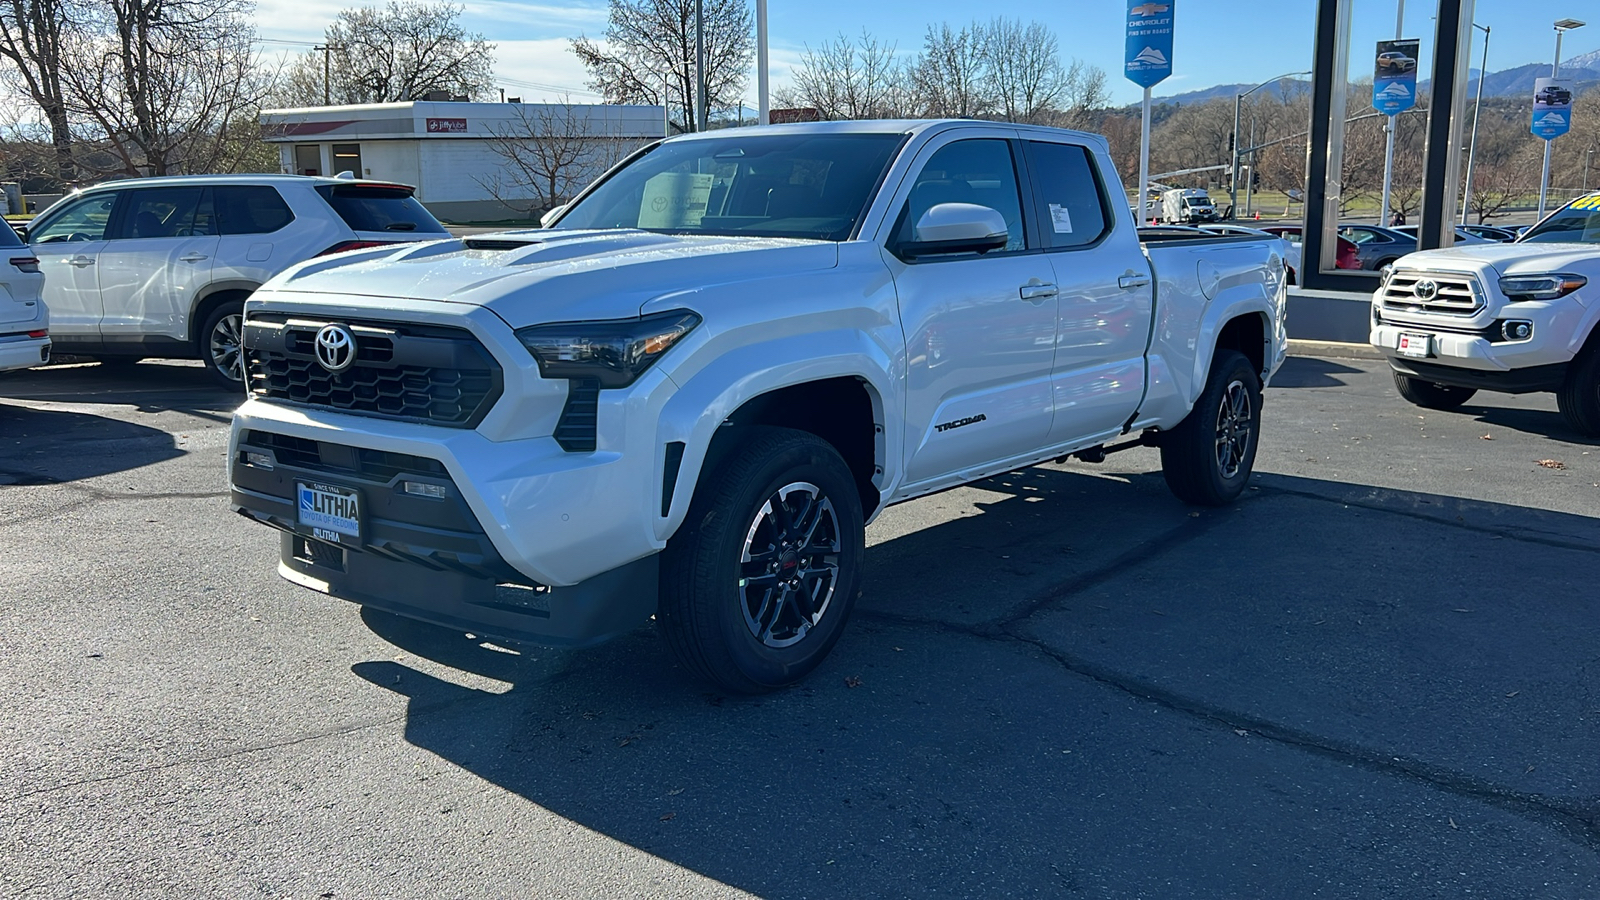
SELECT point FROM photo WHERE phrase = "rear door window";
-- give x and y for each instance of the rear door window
(1071, 205)
(372, 208)
(251, 209)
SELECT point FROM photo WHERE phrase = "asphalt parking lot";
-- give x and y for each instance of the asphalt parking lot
(1377, 676)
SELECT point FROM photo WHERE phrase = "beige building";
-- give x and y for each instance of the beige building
(456, 153)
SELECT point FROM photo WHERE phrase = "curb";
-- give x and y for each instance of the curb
(1336, 349)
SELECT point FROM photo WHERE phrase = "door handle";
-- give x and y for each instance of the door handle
(193, 257)
(81, 261)
(1129, 282)
(1037, 291)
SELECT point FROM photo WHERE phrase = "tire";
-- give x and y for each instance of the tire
(1579, 397)
(222, 344)
(1208, 458)
(1428, 395)
(1378, 267)
(752, 641)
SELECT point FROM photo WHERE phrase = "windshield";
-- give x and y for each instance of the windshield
(1579, 223)
(785, 185)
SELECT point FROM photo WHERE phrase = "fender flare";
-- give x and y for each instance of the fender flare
(703, 402)
(203, 296)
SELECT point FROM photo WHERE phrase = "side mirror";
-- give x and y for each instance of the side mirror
(552, 215)
(957, 228)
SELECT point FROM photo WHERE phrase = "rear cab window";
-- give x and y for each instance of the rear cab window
(371, 207)
(1070, 200)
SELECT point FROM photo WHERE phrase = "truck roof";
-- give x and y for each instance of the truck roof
(909, 127)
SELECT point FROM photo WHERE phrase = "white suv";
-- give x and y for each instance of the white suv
(161, 267)
(24, 323)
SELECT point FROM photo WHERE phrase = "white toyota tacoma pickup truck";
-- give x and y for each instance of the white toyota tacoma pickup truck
(687, 397)
(1516, 318)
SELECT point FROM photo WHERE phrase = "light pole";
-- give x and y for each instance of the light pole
(702, 116)
(1233, 180)
(1586, 158)
(1472, 145)
(763, 104)
(1388, 151)
(1562, 26)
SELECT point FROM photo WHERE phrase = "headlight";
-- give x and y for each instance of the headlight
(1384, 274)
(1540, 287)
(615, 351)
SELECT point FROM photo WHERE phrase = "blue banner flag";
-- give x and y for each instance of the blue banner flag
(1552, 108)
(1149, 46)
(1394, 77)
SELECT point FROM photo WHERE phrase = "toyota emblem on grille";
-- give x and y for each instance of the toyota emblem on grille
(336, 349)
(1425, 290)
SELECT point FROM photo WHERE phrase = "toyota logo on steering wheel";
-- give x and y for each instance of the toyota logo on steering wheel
(336, 349)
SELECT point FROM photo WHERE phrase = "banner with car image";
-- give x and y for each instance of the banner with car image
(1552, 108)
(1394, 76)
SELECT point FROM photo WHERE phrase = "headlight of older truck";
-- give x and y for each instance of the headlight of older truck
(615, 351)
(1540, 287)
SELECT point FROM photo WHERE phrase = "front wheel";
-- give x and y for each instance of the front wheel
(222, 345)
(759, 581)
(1579, 397)
(1208, 458)
(1428, 395)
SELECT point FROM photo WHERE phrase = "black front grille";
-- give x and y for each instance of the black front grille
(323, 456)
(419, 373)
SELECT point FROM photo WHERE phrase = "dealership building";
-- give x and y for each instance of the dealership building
(453, 152)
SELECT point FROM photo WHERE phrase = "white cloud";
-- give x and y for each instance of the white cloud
(546, 69)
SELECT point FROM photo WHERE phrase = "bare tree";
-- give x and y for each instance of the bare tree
(950, 78)
(649, 44)
(548, 153)
(33, 37)
(849, 79)
(167, 84)
(1023, 66)
(399, 52)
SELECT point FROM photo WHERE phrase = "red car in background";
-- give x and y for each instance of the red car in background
(1346, 258)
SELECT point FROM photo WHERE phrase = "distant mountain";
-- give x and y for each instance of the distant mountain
(1581, 71)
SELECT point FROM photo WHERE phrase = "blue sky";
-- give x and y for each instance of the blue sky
(1216, 41)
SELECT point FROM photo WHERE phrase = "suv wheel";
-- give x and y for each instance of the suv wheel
(222, 344)
(1579, 397)
(1428, 395)
(1208, 458)
(759, 581)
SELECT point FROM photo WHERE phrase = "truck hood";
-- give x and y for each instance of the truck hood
(527, 277)
(1505, 259)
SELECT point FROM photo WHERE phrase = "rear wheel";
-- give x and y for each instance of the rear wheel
(759, 581)
(1579, 397)
(1428, 395)
(1208, 458)
(222, 344)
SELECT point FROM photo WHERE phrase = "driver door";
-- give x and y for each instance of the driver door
(68, 242)
(980, 328)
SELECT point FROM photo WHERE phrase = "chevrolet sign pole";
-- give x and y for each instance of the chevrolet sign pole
(1148, 60)
(1388, 151)
(1552, 115)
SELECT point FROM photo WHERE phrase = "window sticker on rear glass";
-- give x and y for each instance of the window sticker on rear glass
(1060, 219)
(674, 200)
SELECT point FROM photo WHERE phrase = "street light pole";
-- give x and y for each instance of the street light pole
(1586, 157)
(702, 116)
(1562, 27)
(1472, 146)
(1233, 180)
(763, 104)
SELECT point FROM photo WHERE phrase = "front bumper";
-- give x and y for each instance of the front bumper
(427, 558)
(22, 352)
(1477, 343)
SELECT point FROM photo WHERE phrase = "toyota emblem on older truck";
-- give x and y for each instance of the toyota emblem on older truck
(336, 349)
(1425, 290)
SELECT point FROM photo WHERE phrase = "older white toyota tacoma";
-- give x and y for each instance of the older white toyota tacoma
(687, 397)
(1517, 318)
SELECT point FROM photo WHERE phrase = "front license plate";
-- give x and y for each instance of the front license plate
(1412, 344)
(332, 514)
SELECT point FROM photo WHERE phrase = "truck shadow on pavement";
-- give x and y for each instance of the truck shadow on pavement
(40, 446)
(1077, 686)
(1313, 371)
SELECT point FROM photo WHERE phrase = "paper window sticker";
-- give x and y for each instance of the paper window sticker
(1060, 219)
